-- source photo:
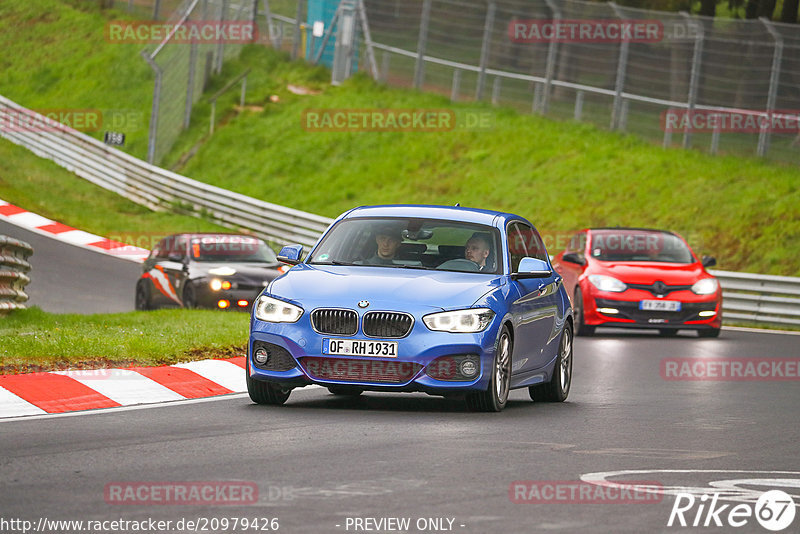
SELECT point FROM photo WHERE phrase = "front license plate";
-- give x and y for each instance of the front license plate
(356, 347)
(660, 305)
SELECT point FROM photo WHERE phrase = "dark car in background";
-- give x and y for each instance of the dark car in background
(639, 278)
(219, 271)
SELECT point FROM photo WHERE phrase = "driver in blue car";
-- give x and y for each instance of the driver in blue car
(477, 250)
(388, 239)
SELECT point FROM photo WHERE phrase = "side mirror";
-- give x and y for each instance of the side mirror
(709, 261)
(177, 258)
(291, 254)
(574, 257)
(532, 268)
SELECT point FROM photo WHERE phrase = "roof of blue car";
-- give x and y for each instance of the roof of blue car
(456, 213)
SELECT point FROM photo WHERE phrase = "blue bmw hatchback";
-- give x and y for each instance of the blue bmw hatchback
(443, 300)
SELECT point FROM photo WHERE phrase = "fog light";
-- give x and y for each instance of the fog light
(261, 356)
(468, 368)
(608, 311)
(215, 285)
(242, 303)
(707, 313)
(226, 284)
(223, 304)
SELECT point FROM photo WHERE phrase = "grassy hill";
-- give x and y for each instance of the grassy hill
(562, 175)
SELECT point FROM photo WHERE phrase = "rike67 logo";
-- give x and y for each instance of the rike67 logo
(774, 510)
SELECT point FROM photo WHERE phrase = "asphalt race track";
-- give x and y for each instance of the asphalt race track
(321, 459)
(70, 279)
(327, 464)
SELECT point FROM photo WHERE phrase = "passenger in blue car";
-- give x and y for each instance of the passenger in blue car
(477, 250)
(388, 238)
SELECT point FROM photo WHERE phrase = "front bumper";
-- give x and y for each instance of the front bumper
(597, 306)
(296, 359)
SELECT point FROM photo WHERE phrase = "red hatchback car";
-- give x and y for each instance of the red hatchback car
(639, 278)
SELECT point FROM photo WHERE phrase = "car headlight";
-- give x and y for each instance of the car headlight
(276, 311)
(607, 283)
(462, 321)
(706, 286)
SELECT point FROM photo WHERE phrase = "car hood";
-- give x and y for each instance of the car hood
(673, 274)
(384, 288)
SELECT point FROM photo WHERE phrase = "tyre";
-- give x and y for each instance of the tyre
(667, 332)
(142, 302)
(711, 332)
(189, 297)
(348, 391)
(581, 329)
(265, 392)
(557, 389)
(495, 397)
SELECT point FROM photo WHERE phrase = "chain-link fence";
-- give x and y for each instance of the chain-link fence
(202, 34)
(715, 84)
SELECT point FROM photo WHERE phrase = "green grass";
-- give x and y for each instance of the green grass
(43, 187)
(35, 340)
(562, 175)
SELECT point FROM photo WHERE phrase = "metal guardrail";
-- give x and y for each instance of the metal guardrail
(760, 298)
(14, 267)
(152, 186)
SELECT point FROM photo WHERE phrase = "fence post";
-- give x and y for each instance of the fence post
(715, 134)
(552, 57)
(296, 36)
(456, 90)
(487, 39)
(273, 38)
(156, 9)
(496, 90)
(153, 127)
(221, 44)
(774, 79)
(622, 67)
(187, 113)
(694, 80)
(422, 42)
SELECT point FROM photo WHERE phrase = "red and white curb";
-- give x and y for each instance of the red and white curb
(69, 391)
(44, 226)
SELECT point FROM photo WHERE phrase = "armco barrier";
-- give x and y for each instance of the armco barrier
(14, 265)
(749, 297)
(760, 298)
(152, 186)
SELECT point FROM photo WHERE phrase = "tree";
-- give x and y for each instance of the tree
(789, 11)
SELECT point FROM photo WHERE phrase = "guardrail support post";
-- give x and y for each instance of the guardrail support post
(496, 90)
(774, 79)
(487, 41)
(385, 59)
(578, 106)
(422, 42)
(456, 89)
(715, 134)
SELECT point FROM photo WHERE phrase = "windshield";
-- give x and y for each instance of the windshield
(639, 245)
(231, 248)
(411, 244)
